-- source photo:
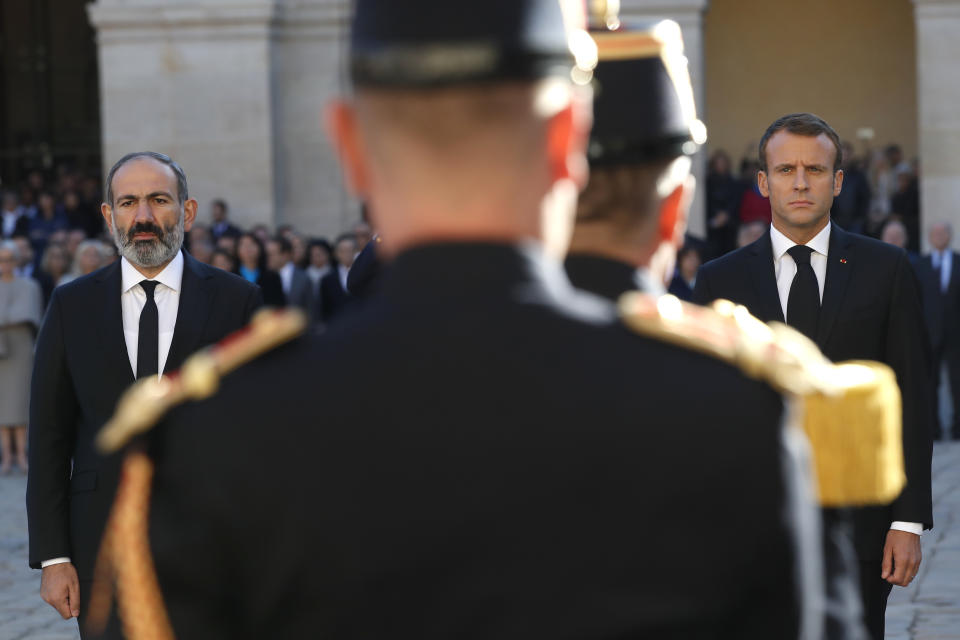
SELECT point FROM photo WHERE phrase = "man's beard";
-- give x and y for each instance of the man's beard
(149, 253)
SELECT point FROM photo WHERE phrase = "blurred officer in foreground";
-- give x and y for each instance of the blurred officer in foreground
(525, 469)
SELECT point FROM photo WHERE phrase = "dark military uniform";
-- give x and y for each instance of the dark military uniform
(478, 450)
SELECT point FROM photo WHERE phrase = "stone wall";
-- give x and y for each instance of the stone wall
(233, 90)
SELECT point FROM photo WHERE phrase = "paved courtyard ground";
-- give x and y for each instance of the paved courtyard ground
(927, 610)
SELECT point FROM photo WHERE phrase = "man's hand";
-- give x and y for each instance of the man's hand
(60, 588)
(901, 557)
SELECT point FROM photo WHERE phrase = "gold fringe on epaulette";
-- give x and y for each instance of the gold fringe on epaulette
(125, 561)
(850, 412)
(856, 436)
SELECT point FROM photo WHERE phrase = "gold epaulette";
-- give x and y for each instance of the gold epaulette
(149, 399)
(850, 411)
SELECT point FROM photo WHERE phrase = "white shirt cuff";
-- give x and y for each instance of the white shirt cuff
(48, 563)
(909, 527)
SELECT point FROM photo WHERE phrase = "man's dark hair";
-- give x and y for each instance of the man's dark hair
(352, 237)
(159, 157)
(623, 195)
(284, 244)
(220, 202)
(801, 124)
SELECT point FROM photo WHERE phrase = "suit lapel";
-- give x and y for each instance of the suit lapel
(841, 261)
(765, 280)
(196, 298)
(112, 341)
(954, 273)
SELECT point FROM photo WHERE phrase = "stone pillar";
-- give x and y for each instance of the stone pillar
(938, 93)
(234, 91)
(689, 15)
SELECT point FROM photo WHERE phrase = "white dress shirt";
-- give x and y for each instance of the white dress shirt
(943, 260)
(343, 272)
(316, 274)
(132, 300)
(286, 276)
(10, 222)
(785, 269)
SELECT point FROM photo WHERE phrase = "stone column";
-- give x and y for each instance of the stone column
(233, 90)
(689, 15)
(938, 93)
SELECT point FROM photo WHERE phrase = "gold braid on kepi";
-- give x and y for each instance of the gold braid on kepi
(124, 560)
(850, 412)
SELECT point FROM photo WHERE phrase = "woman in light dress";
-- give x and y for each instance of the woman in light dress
(20, 311)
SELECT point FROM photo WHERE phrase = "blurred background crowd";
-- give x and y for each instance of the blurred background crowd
(53, 232)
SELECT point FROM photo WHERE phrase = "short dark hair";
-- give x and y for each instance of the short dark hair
(220, 202)
(352, 237)
(801, 124)
(285, 245)
(182, 194)
(625, 196)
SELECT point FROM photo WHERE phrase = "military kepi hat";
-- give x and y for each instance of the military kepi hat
(435, 43)
(643, 100)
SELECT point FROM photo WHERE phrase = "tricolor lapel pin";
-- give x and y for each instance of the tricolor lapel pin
(843, 261)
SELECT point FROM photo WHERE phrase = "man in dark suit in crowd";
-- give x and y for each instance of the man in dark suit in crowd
(857, 299)
(895, 232)
(334, 295)
(940, 280)
(13, 218)
(222, 227)
(296, 285)
(138, 317)
(520, 474)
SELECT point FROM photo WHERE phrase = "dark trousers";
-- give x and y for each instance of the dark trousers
(844, 614)
(949, 356)
(875, 592)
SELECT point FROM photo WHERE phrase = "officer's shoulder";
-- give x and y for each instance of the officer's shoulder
(849, 410)
(148, 401)
(728, 333)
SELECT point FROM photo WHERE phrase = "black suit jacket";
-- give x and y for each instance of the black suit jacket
(333, 297)
(870, 310)
(500, 458)
(22, 228)
(941, 309)
(81, 368)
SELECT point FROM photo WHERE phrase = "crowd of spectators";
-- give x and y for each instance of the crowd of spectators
(60, 235)
(56, 233)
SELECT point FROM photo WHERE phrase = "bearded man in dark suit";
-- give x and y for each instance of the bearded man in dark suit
(857, 298)
(140, 316)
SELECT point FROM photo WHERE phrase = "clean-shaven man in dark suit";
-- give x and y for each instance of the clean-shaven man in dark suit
(296, 284)
(858, 299)
(940, 281)
(334, 295)
(138, 317)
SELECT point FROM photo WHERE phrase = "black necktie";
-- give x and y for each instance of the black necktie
(148, 340)
(803, 303)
